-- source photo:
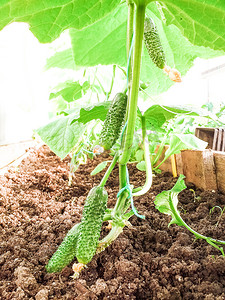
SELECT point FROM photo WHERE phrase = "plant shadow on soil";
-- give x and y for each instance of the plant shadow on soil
(147, 261)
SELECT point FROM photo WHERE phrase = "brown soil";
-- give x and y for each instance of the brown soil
(147, 261)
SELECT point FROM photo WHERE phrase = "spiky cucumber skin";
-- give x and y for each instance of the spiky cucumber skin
(114, 120)
(153, 43)
(65, 252)
(91, 223)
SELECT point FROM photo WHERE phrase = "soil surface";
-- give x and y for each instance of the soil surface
(147, 261)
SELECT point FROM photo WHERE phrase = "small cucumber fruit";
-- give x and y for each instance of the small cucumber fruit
(91, 223)
(65, 252)
(114, 120)
(153, 43)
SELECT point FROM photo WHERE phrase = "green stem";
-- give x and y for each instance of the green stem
(181, 221)
(130, 30)
(133, 99)
(119, 207)
(101, 86)
(164, 159)
(160, 150)
(112, 82)
(122, 176)
(106, 241)
(109, 170)
(107, 215)
(148, 181)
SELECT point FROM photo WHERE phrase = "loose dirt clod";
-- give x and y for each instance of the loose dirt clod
(147, 261)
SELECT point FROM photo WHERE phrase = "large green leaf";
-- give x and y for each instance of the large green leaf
(201, 21)
(157, 115)
(105, 42)
(180, 54)
(167, 201)
(60, 135)
(62, 59)
(102, 43)
(94, 112)
(48, 18)
(71, 91)
(180, 142)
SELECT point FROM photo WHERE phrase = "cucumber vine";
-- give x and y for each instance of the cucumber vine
(83, 241)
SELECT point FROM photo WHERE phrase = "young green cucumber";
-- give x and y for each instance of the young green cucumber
(65, 252)
(153, 43)
(114, 120)
(91, 223)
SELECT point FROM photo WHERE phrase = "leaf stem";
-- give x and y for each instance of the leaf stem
(120, 203)
(148, 181)
(181, 221)
(109, 170)
(130, 30)
(133, 99)
(160, 150)
(112, 82)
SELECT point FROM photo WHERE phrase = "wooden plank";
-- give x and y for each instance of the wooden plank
(223, 142)
(219, 140)
(215, 139)
(199, 168)
(219, 158)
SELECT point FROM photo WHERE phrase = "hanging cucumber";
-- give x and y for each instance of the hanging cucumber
(153, 43)
(91, 223)
(155, 50)
(114, 121)
(66, 251)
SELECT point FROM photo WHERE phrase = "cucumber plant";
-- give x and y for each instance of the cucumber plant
(83, 242)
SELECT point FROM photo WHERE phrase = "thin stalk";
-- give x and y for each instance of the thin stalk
(120, 203)
(164, 159)
(106, 241)
(109, 170)
(122, 176)
(133, 99)
(101, 86)
(112, 82)
(107, 215)
(122, 167)
(148, 181)
(160, 150)
(130, 30)
(198, 235)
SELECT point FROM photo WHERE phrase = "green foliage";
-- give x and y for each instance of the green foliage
(99, 167)
(221, 213)
(98, 35)
(156, 115)
(60, 135)
(153, 44)
(141, 166)
(71, 91)
(201, 21)
(113, 123)
(90, 45)
(180, 142)
(94, 112)
(66, 251)
(48, 19)
(62, 59)
(180, 53)
(167, 201)
(91, 223)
